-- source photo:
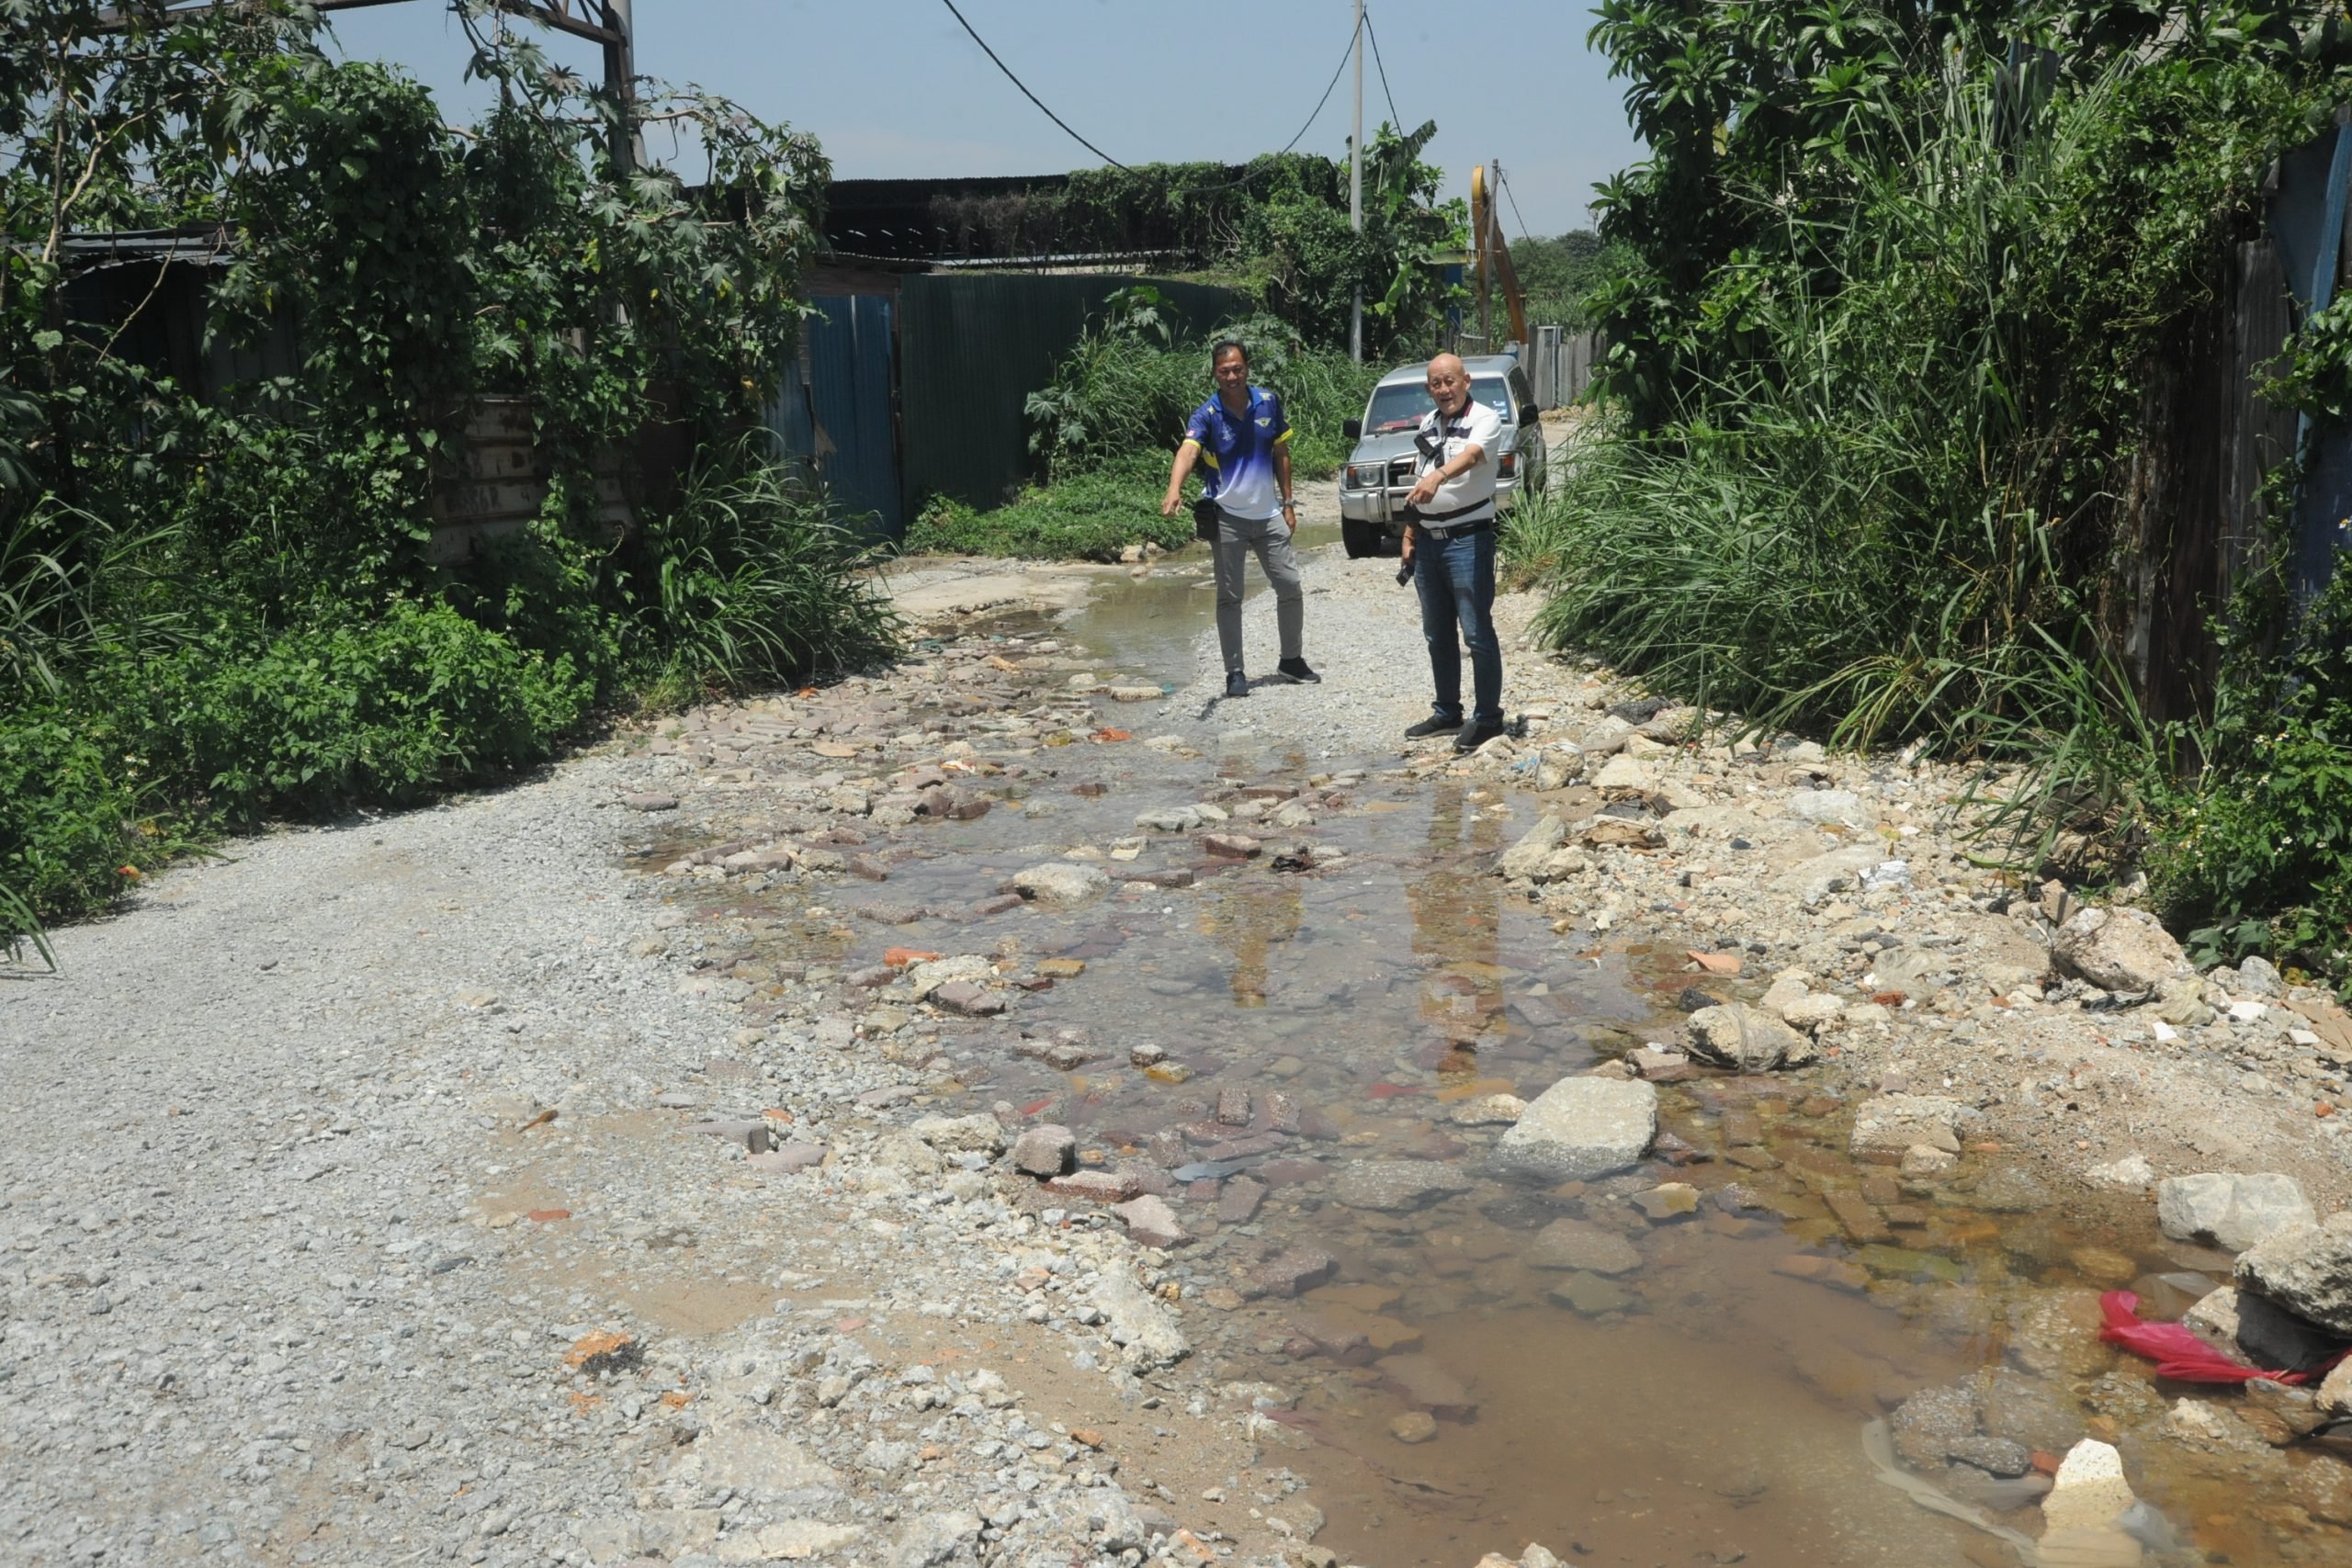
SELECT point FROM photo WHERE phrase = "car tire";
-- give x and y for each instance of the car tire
(1359, 539)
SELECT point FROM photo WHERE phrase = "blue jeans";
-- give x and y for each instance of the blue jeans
(1455, 578)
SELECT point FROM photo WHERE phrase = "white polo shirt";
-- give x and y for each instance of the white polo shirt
(1467, 497)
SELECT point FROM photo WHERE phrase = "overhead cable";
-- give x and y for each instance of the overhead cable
(1025, 93)
(1336, 72)
(1374, 33)
(1190, 190)
(1504, 180)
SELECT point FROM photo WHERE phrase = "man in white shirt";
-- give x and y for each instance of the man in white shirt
(1449, 546)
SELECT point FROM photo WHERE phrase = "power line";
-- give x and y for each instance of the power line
(1032, 97)
(1192, 190)
(1374, 33)
(1508, 195)
(1336, 72)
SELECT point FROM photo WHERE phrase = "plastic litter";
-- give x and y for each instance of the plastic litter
(2178, 1353)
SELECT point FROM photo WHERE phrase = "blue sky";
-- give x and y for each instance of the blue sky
(895, 88)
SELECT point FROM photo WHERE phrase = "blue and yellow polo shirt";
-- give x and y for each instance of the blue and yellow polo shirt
(1237, 454)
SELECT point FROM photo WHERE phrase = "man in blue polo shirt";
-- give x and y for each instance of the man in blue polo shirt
(1241, 437)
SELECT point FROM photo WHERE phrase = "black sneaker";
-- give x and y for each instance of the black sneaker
(1237, 684)
(1474, 735)
(1431, 725)
(1296, 672)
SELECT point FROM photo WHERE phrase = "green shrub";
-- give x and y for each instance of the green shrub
(2258, 857)
(2253, 853)
(69, 816)
(381, 712)
(1091, 516)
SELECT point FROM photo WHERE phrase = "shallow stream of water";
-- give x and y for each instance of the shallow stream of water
(1702, 1401)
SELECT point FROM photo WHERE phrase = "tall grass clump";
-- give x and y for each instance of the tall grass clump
(1883, 503)
(755, 580)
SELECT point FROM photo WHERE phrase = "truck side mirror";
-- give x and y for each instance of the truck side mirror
(1353, 429)
(1529, 414)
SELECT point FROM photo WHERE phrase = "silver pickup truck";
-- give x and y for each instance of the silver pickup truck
(1380, 471)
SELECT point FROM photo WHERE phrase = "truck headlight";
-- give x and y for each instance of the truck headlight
(1510, 465)
(1366, 475)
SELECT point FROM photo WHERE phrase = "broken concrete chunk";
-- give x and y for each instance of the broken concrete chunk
(1060, 881)
(1736, 1035)
(2118, 950)
(1578, 1128)
(1891, 1125)
(1047, 1150)
(2231, 1211)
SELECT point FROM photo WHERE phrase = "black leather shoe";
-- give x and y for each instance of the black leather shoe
(1237, 684)
(1296, 672)
(1474, 735)
(1431, 725)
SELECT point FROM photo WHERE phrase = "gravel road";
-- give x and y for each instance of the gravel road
(354, 1211)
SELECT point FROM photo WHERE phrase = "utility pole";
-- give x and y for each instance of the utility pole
(1355, 193)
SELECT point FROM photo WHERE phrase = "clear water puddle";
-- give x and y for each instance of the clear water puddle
(1702, 1401)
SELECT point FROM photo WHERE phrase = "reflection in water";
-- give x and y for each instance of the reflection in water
(1457, 928)
(1252, 924)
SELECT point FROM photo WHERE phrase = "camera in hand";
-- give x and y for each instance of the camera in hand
(1412, 514)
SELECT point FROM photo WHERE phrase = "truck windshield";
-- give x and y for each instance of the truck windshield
(1399, 405)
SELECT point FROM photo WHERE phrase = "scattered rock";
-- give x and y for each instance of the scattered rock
(1151, 1222)
(1413, 1427)
(1932, 1424)
(977, 1133)
(2118, 949)
(1591, 1295)
(1393, 1186)
(1670, 1202)
(1580, 1244)
(1295, 1272)
(1139, 1323)
(2089, 1492)
(1488, 1111)
(2243, 1326)
(1047, 1150)
(1060, 881)
(1421, 1382)
(2307, 1270)
(1527, 856)
(1578, 1128)
(1736, 1035)
(2132, 1173)
(968, 998)
(1819, 806)
(2231, 1211)
(1888, 1126)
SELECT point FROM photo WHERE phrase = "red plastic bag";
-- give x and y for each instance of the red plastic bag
(2178, 1353)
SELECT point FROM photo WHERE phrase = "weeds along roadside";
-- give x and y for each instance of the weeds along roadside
(1869, 486)
(219, 610)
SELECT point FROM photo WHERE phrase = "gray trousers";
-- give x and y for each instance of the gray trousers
(1235, 538)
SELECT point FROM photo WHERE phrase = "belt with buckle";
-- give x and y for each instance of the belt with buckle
(1457, 531)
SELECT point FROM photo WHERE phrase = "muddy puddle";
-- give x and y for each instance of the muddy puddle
(1687, 1380)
